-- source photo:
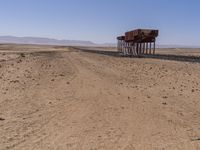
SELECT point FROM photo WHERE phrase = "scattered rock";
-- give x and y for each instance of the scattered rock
(19, 61)
(196, 139)
(14, 81)
(22, 55)
(165, 97)
(93, 149)
(62, 75)
(68, 82)
(2, 119)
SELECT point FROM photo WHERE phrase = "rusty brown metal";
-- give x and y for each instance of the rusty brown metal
(141, 35)
(121, 38)
(135, 42)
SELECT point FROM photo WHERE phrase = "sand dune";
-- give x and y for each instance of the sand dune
(61, 98)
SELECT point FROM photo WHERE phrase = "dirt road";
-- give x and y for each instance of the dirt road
(59, 98)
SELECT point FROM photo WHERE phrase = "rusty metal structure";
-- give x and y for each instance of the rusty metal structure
(138, 42)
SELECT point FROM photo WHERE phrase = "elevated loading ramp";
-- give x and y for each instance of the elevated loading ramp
(138, 42)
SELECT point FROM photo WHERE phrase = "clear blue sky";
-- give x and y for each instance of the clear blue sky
(101, 20)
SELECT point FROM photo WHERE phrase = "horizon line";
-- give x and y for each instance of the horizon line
(96, 43)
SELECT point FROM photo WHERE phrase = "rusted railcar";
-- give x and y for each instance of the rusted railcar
(138, 42)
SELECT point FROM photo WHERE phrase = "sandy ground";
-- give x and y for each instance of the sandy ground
(179, 51)
(57, 98)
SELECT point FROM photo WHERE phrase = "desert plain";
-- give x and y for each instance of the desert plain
(65, 98)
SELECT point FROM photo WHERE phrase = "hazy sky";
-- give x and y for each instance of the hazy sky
(101, 20)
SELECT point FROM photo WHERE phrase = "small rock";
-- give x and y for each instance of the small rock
(14, 81)
(19, 61)
(122, 107)
(22, 55)
(62, 75)
(196, 139)
(2, 119)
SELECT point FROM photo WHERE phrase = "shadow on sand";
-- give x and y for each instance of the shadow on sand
(193, 59)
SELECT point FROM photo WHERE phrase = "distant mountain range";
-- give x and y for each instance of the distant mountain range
(49, 41)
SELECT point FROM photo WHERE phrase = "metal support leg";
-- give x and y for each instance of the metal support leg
(150, 48)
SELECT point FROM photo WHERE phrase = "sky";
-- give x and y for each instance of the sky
(101, 21)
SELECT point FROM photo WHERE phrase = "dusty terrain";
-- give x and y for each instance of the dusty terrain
(59, 98)
(180, 51)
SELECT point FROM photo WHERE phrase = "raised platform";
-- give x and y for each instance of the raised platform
(138, 42)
